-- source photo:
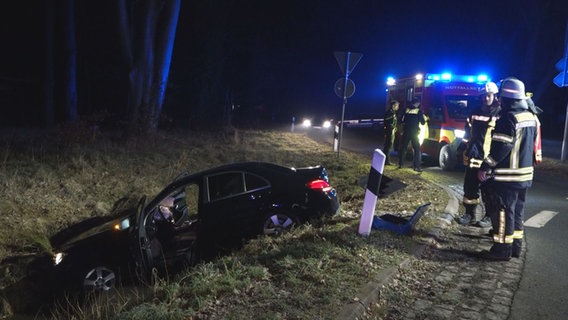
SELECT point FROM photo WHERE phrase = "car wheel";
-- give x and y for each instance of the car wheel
(99, 278)
(278, 223)
(447, 158)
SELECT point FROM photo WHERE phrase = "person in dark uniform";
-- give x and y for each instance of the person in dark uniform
(390, 123)
(510, 163)
(411, 120)
(478, 129)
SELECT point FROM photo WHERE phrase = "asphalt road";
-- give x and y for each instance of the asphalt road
(543, 290)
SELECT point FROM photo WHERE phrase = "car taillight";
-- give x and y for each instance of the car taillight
(319, 185)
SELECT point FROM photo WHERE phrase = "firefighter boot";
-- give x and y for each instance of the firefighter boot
(498, 252)
(517, 246)
(485, 222)
(469, 216)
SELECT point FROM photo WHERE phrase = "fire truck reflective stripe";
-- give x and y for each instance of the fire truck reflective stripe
(502, 138)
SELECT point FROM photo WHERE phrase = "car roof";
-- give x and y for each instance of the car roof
(251, 166)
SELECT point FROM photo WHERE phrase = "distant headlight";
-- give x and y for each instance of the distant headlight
(459, 133)
(307, 123)
(58, 257)
(326, 124)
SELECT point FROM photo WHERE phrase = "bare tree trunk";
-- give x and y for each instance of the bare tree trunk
(164, 51)
(49, 113)
(147, 54)
(70, 52)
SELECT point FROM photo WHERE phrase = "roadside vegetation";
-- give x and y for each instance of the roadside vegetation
(50, 181)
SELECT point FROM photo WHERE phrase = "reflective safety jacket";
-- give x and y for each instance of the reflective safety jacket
(412, 119)
(390, 119)
(511, 156)
(478, 130)
(538, 143)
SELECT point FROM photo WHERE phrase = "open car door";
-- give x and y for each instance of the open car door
(141, 245)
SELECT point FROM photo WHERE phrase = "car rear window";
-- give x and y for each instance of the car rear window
(254, 182)
(225, 184)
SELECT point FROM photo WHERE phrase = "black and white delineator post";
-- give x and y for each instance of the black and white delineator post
(372, 192)
(336, 139)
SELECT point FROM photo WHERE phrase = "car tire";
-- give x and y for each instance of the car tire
(276, 224)
(447, 158)
(99, 279)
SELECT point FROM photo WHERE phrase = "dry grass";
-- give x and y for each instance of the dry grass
(49, 183)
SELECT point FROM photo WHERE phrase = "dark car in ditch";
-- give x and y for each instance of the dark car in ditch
(190, 219)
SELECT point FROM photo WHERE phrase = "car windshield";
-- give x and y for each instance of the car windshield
(459, 107)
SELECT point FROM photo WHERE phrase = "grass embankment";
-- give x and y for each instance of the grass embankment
(51, 182)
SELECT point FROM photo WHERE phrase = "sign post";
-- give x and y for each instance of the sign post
(345, 87)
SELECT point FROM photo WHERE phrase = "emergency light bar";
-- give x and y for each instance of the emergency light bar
(431, 77)
(454, 77)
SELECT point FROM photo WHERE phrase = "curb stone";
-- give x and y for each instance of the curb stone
(369, 293)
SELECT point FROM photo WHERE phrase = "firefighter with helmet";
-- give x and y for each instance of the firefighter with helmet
(411, 120)
(510, 164)
(478, 129)
(390, 123)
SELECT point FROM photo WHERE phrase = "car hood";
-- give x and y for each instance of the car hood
(91, 227)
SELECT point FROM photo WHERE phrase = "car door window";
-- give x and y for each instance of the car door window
(254, 182)
(225, 185)
(192, 199)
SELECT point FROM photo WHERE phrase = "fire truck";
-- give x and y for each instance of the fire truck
(446, 100)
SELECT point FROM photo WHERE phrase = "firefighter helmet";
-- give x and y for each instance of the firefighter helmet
(513, 88)
(490, 87)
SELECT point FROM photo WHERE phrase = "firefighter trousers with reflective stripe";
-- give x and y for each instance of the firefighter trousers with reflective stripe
(508, 220)
(470, 187)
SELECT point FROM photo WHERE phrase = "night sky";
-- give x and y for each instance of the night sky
(279, 54)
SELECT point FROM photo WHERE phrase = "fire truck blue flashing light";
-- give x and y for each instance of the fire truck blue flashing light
(449, 77)
(480, 78)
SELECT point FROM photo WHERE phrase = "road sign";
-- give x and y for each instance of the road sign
(561, 79)
(561, 64)
(340, 87)
(347, 61)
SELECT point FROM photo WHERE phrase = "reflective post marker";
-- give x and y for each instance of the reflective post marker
(293, 124)
(336, 139)
(372, 192)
